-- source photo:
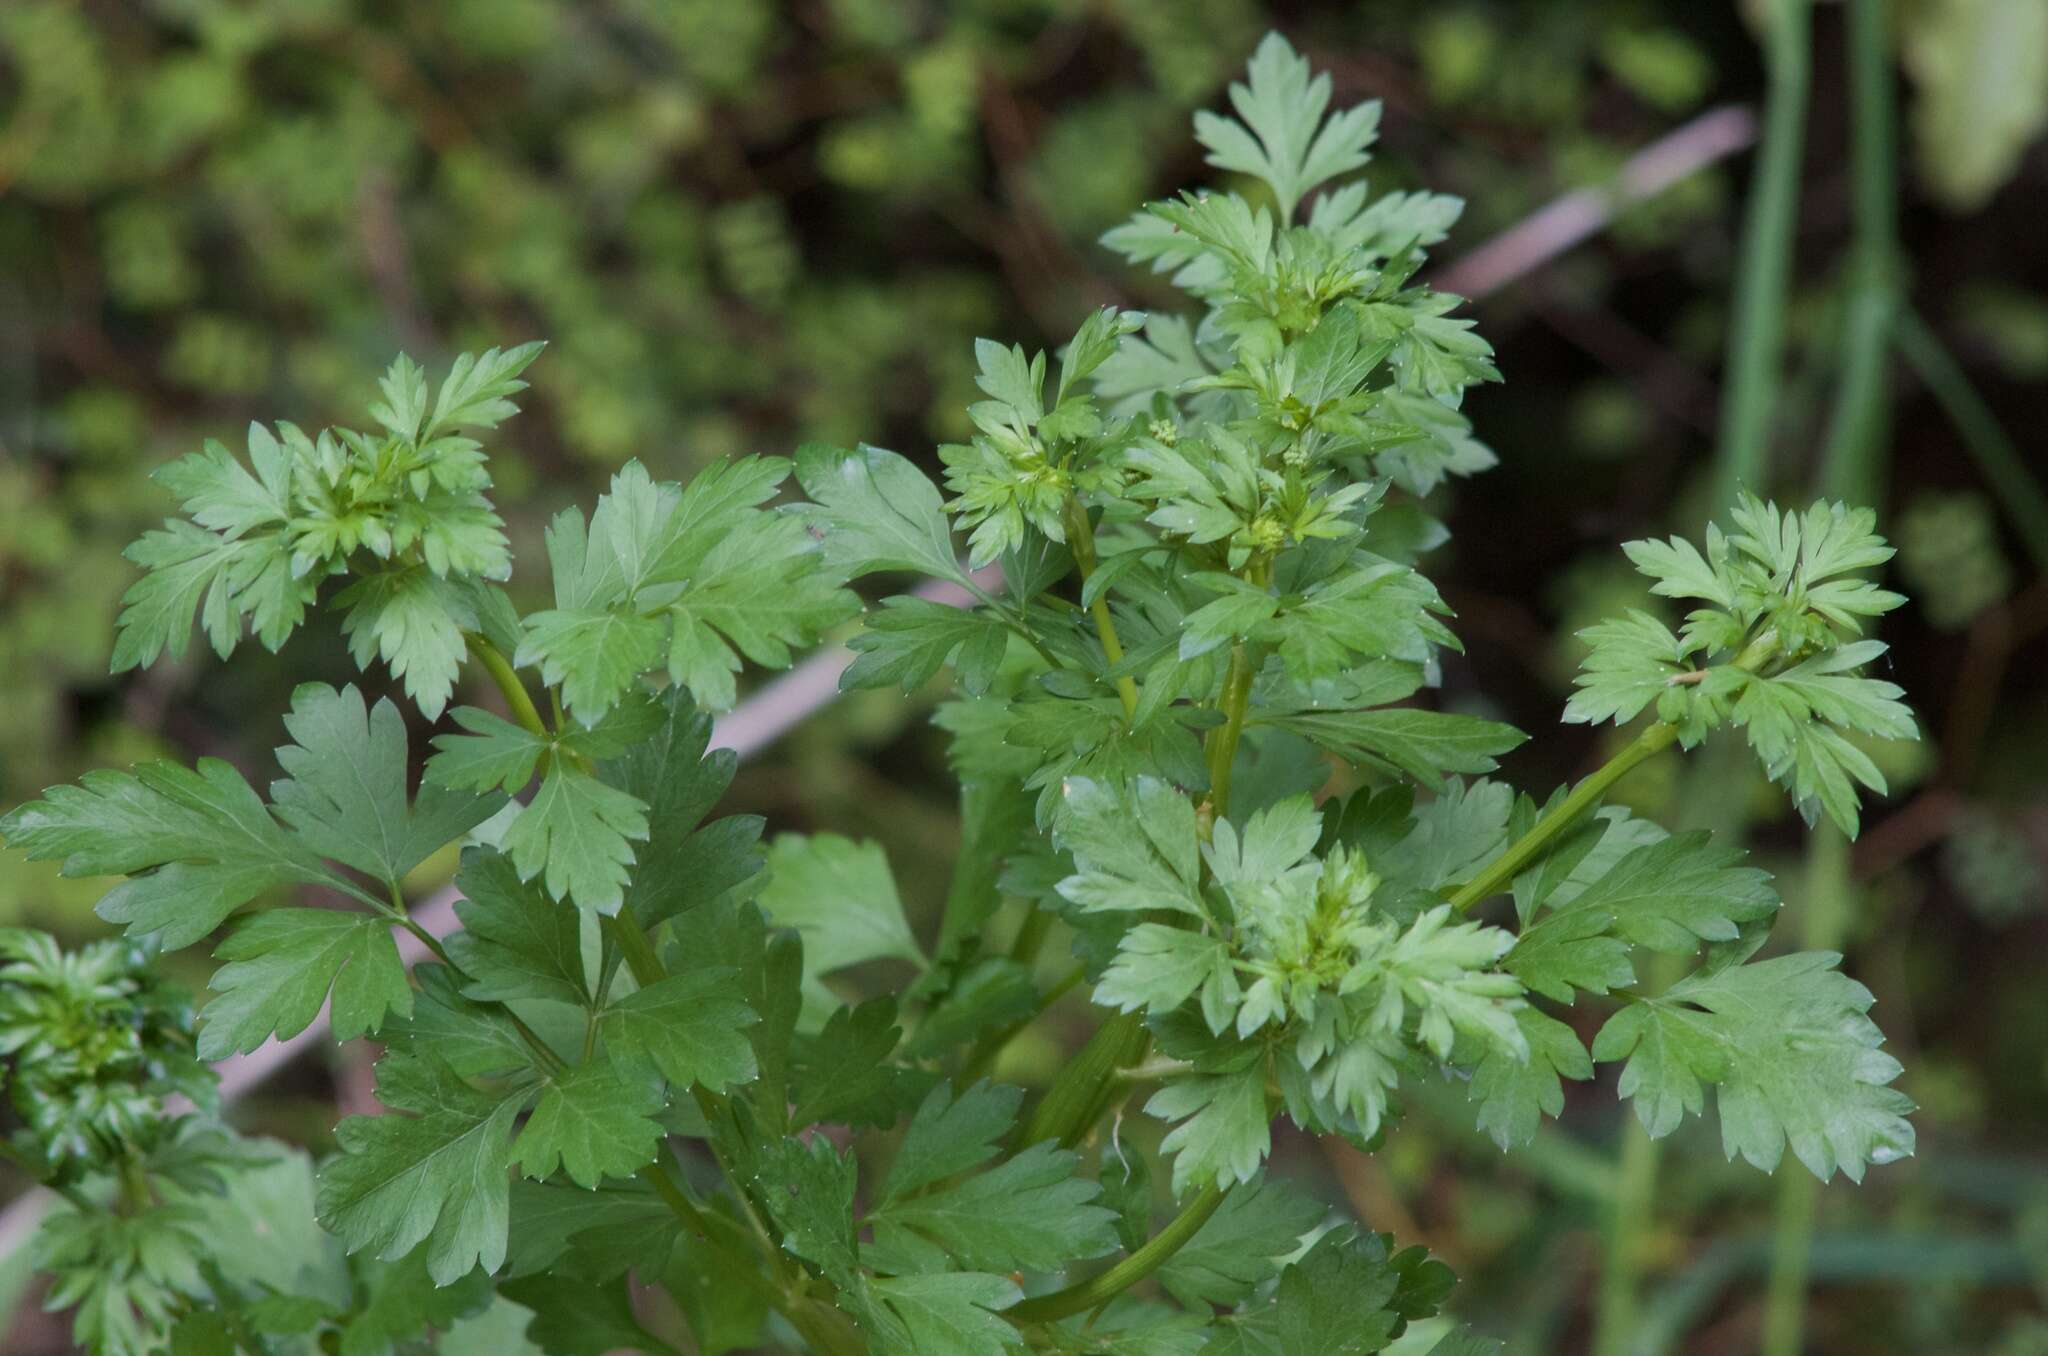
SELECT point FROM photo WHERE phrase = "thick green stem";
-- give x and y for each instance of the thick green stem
(1502, 870)
(507, 679)
(1077, 1095)
(1081, 541)
(1099, 1290)
(1757, 336)
(637, 948)
(1993, 449)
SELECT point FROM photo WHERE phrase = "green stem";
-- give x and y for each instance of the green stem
(1098, 1290)
(1857, 433)
(1081, 541)
(1850, 469)
(1829, 896)
(1757, 336)
(133, 1179)
(1078, 1094)
(1986, 440)
(637, 947)
(1502, 870)
(1618, 1304)
(507, 678)
(825, 1329)
(1222, 743)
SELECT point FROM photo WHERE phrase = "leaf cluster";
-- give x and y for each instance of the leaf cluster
(1202, 750)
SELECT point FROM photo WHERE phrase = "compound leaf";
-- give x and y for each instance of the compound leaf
(438, 1175)
(281, 963)
(593, 1123)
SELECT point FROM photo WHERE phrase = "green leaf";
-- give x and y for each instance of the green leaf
(840, 896)
(1134, 846)
(224, 556)
(843, 1071)
(1451, 835)
(515, 942)
(592, 1122)
(690, 1027)
(478, 389)
(1029, 1213)
(345, 793)
(951, 1134)
(577, 835)
(494, 754)
(1338, 1300)
(595, 1234)
(471, 1038)
(949, 1314)
(404, 388)
(1093, 344)
(399, 1303)
(1514, 1095)
(1227, 619)
(1423, 744)
(222, 579)
(1159, 967)
(212, 487)
(1127, 1192)
(1163, 359)
(1283, 138)
(911, 639)
(1797, 722)
(761, 590)
(873, 510)
(1244, 1244)
(413, 620)
(1669, 895)
(808, 1189)
(1795, 1058)
(594, 655)
(437, 1176)
(1632, 662)
(1383, 611)
(685, 862)
(1674, 894)
(281, 963)
(573, 1317)
(1574, 949)
(197, 843)
(499, 1330)
(1224, 1132)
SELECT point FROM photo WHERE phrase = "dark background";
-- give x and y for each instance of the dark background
(744, 225)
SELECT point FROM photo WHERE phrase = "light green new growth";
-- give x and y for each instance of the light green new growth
(659, 1052)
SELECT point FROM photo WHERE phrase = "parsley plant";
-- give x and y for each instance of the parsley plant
(1192, 546)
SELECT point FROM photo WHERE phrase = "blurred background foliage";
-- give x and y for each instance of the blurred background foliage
(744, 224)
